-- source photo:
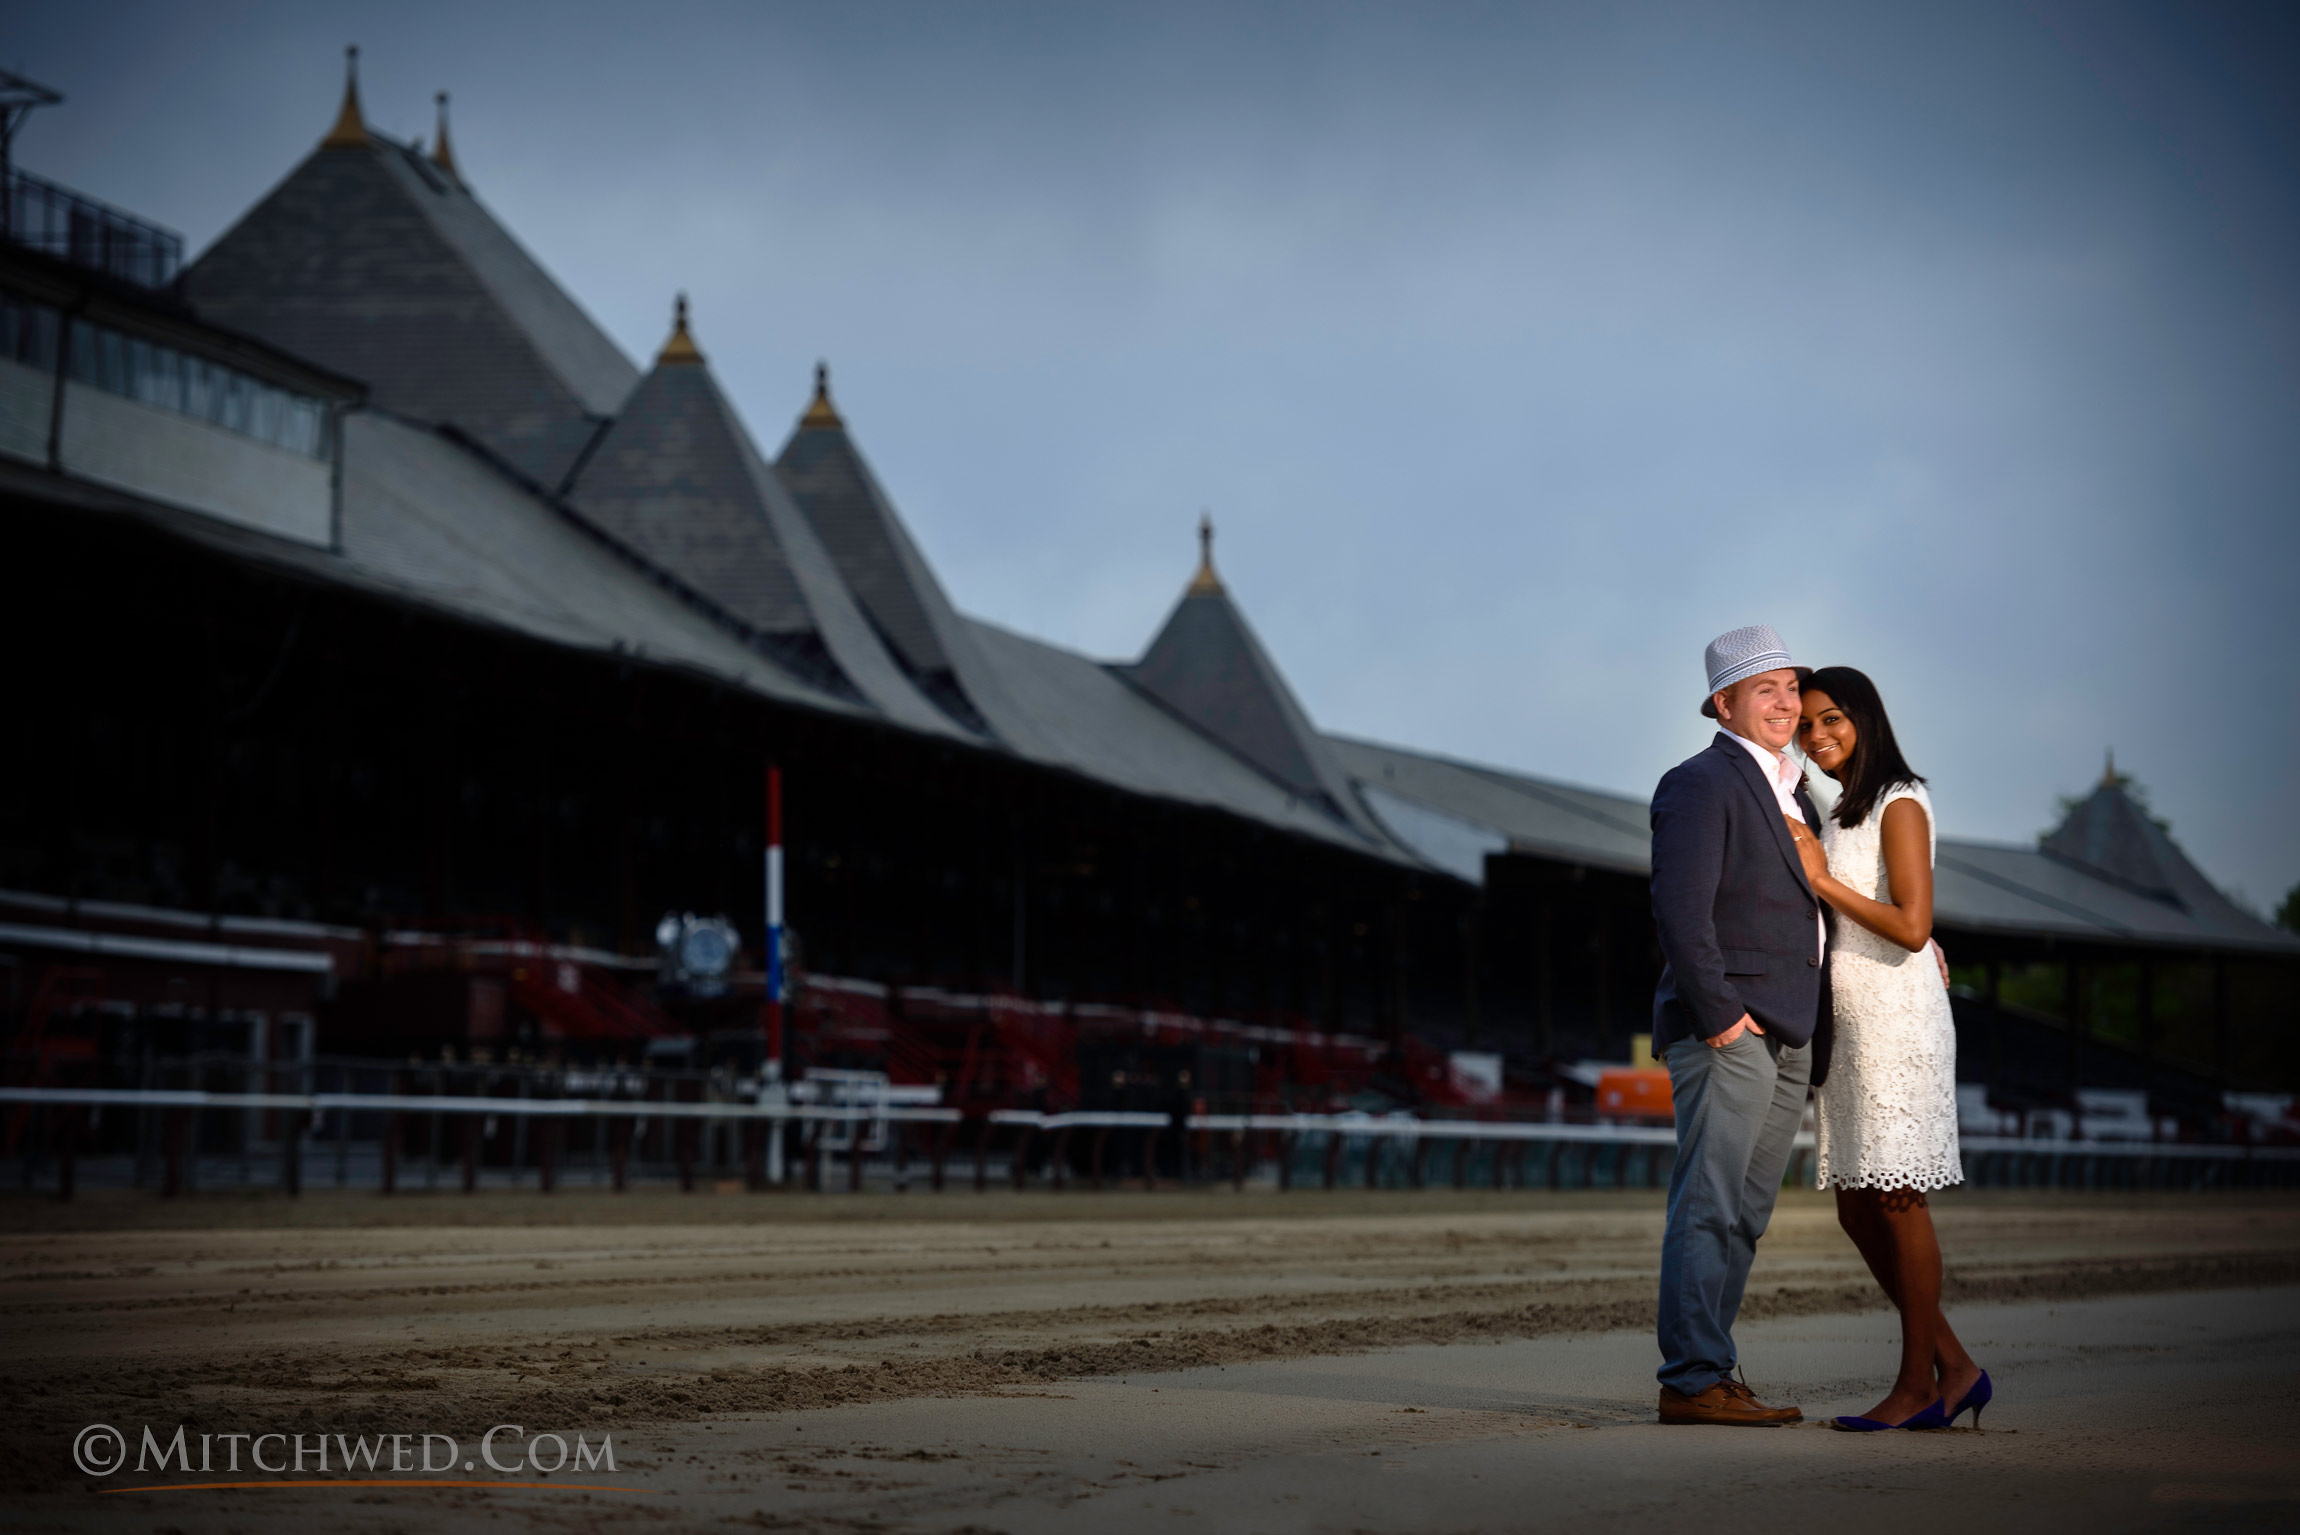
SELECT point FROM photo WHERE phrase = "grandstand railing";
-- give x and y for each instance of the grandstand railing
(60, 222)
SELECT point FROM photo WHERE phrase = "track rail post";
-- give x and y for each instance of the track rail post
(1020, 1171)
(291, 1152)
(172, 1135)
(68, 1151)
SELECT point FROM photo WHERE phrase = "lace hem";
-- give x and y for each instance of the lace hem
(1930, 1181)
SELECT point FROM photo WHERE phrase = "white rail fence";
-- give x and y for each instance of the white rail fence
(783, 1142)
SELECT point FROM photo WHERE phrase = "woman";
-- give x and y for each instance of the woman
(1888, 1115)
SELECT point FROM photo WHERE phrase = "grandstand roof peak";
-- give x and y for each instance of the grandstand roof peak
(820, 412)
(1206, 583)
(442, 154)
(681, 347)
(350, 130)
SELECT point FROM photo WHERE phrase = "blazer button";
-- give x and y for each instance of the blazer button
(1815, 961)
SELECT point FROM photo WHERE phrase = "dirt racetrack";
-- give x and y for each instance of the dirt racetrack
(606, 1312)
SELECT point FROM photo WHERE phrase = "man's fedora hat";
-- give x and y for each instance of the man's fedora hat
(1744, 653)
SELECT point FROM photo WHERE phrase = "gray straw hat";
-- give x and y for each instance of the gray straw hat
(1744, 653)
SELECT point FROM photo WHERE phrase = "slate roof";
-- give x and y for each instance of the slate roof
(677, 479)
(865, 537)
(427, 522)
(1978, 886)
(1207, 666)
(1525, 815)
(1089, 720)
(372, 261)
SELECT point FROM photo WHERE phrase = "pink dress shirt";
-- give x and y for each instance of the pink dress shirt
(1782, 774)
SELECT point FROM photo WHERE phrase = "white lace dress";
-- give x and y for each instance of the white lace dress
(1887, 1116)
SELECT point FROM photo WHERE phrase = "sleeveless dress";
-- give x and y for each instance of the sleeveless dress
(1887, 1117)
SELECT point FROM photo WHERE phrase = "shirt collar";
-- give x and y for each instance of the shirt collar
(1776, 765)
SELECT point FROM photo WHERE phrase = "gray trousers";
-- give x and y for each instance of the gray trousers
(1738, 1108)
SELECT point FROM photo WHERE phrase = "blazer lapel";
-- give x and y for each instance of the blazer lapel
(1754, 777)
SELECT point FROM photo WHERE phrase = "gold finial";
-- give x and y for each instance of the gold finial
(1205, 583)
(2108, 774)
(820, 411)
(350, 130)
(681, 347)
(441, 155)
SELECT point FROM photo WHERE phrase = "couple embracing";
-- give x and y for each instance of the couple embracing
(1798, 953)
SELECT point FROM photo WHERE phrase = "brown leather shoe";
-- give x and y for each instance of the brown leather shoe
(1726, 1402)
(1740, 1388)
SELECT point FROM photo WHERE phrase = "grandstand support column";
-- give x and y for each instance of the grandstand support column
(2147, 1023)
(773, 955)
(1471, 919)
(1544, 1010)
(2220, 1022)
(1604, 938)
(1396, 923)
(1019, 934)
(2072, 1017)
(1331, 966)
(1996, 1025)
(627, 845)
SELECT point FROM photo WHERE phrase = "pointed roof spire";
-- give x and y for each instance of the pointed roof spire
(1205, 583)
(820, 411)
(441, 155)
(2108, 774)
(681, 347)
(1207, 667)
(350, 130)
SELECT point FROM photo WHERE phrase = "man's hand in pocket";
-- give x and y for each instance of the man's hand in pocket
(1720, 1041)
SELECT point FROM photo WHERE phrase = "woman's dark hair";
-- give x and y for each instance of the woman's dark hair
(1877, 764)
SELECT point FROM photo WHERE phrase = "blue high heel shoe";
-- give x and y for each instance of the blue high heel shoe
(1980, 1396)
(1923, 1417)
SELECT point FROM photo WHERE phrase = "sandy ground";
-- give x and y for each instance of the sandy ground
(1200, 1360)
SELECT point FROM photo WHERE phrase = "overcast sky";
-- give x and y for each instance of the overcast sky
(1517, 350)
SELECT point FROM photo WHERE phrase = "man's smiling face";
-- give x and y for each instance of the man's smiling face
(1763, 708)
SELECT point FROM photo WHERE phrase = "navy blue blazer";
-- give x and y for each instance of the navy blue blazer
(1732, 907)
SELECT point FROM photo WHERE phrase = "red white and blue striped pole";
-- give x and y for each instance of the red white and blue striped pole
(775, 918)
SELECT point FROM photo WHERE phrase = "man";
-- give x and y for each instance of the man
(1739, 1015)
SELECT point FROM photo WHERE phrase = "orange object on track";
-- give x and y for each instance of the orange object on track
(1642, 1093)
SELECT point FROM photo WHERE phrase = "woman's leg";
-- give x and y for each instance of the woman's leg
(1952, 1368)
(1857, 1214)
(1894, 1231)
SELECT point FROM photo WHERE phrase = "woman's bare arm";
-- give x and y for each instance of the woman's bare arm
(1908, 921)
